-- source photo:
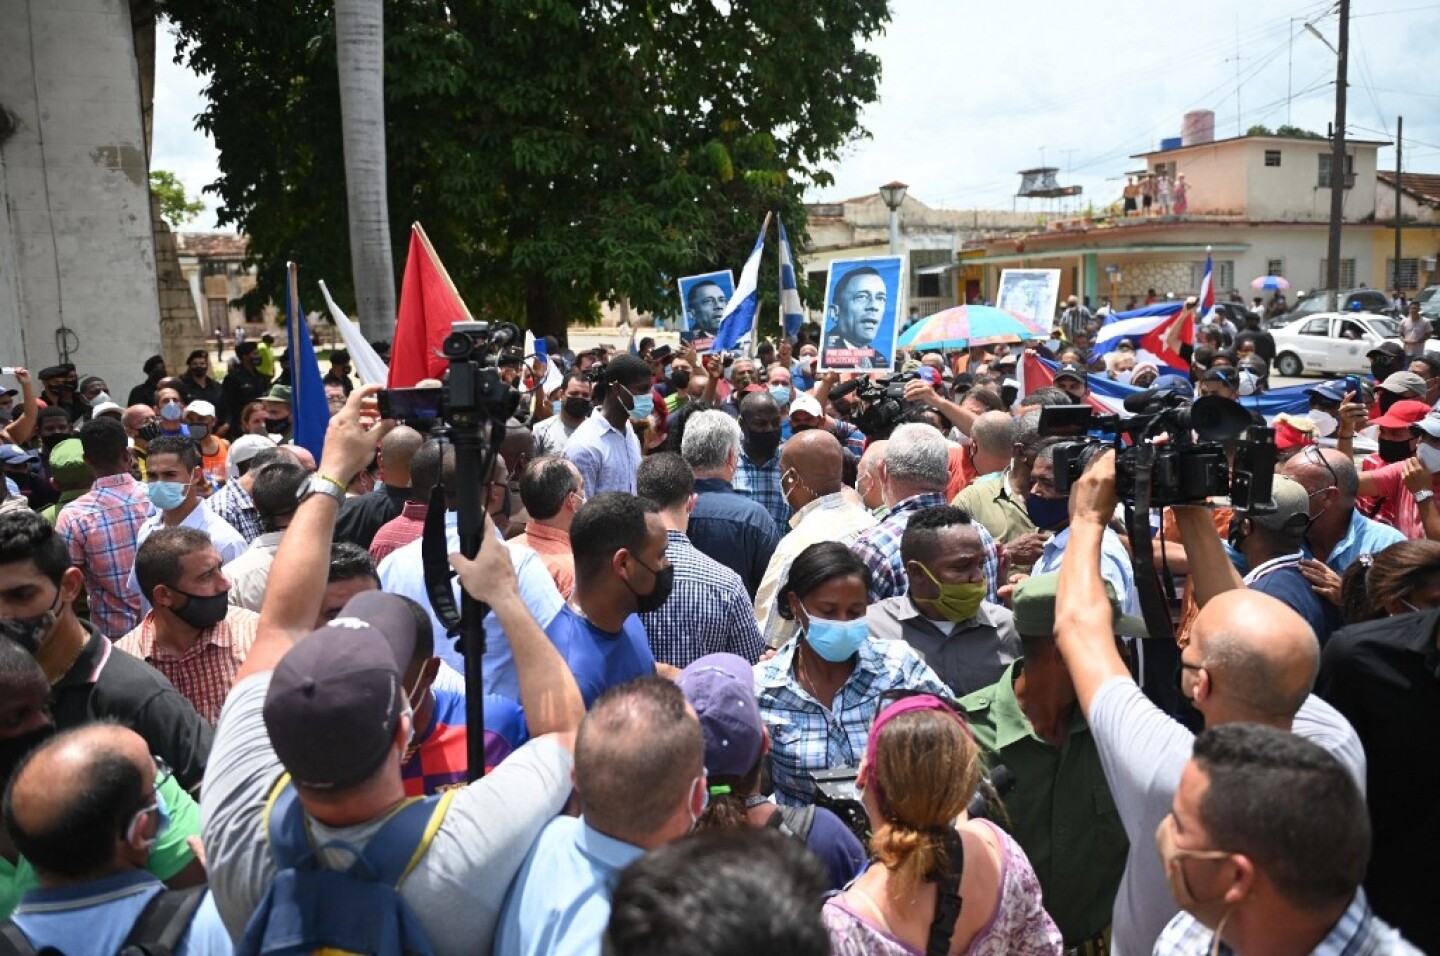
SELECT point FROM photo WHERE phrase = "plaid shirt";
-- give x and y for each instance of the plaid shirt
(805, 735)
(761, 484)
(1358, 933)
(100, 529)
(204, 673)
(708, 611)
(879, 548)
(233, 503)
(399, 531)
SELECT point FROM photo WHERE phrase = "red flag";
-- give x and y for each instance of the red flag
(429, 305)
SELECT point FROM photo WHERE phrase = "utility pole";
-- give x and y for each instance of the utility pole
(1337, 159)
(1399, 142)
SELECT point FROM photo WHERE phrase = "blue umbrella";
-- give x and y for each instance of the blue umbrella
(1270, 284)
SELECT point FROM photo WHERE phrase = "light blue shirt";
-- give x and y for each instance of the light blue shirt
(1364, 536)
(403, 573)
(559, 903)
(606, 457)
(97, 916)
(1115, 565)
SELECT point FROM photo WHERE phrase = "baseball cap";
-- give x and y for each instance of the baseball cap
(1226, 374)
(1405, 383)
(807, 403)
(200, 407)
(55, 371)
(1292, 432)
(1430, 424)
(1328, 391)
(393, 616)
(333, 704)
(105, 408)
(6, 392)
(1388, 349)
(68, 467)
(721, 688)
(15, 455)
(1403, 414)
(1172, 383)
(1074, 371)
(930, 375)
(1034, 604)
(246, 447)
(1292, 507)
(277, 393)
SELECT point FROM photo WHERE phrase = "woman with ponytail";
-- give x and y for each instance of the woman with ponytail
(941, 884)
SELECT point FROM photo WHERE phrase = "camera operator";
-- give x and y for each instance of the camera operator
(607, 446)
(1250, 659)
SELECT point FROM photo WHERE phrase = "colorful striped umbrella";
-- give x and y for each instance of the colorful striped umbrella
(969, 325)
(1270, 283)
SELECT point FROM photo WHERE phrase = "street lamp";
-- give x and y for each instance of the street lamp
(892, 195)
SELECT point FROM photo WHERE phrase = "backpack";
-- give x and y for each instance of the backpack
(794, 821)
(157, 931)
(311, 908)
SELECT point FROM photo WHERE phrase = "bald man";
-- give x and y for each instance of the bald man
(1338, 533)
(867, 478)
(360, 517)
(85, 811)
(992, 443)
(136, 418)
(811, 463)
(1250, 658)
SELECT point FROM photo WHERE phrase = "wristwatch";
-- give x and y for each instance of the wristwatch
(321, 485)
(1423, 495)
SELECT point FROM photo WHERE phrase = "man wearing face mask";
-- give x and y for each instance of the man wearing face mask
(171, 411)
(91, 680)
(757, 475)
(621, 571)
(1386, 359)
(197, 385)
(964, 638)
(551, 435)
(1285, 878)
(193, 634)
(607, 446)
(59, 390)
(87, 810)
(176, 476)
(144, 393)
(1402, 492)
(243, 384)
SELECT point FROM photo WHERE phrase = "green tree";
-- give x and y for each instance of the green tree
(558, 152)
(1259, 130)
(1297, 132)
(177, 207)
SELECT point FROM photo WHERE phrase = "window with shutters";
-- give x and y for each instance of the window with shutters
(1347, 274)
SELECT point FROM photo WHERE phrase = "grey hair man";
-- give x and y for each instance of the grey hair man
(725, 525)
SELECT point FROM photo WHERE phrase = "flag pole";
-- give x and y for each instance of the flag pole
(292, 329)
(753, 348)
(419, 230)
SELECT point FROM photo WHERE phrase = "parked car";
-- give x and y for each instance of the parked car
(1371, 300)
(1333, 343)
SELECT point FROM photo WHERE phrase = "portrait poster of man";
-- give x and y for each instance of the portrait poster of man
(1031, 293)
(703, 299)
(862, 308)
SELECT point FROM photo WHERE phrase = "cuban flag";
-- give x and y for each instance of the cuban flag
(737, 325)
(792, 312)
(1157, 332)
(1207, 288)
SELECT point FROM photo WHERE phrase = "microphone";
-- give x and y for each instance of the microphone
(1139, 401)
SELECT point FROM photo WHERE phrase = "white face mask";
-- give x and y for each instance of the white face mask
(1325, 423)
(1248, 382)
(1125, 376)
(1429, 456)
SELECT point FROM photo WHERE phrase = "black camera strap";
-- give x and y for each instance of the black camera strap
(948, 901)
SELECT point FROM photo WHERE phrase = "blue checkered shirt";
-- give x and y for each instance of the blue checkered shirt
(879, 548)
(708, 611)
(1358, 933)
(806, 735)
(761, 484)
(233, 503)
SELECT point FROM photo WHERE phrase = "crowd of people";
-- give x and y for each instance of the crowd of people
(775, 661)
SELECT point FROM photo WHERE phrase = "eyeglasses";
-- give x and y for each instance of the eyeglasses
(163, 773)
(1314, 452)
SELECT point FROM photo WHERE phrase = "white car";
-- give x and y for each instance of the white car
(1334, 343)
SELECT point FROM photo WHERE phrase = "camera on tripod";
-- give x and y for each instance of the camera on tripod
(884, 400)
(1185, 443)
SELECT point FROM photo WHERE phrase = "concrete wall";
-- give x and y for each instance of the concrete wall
(1289, 191)
(1215, 177)
(76, 189)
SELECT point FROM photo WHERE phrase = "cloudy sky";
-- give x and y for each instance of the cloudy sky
(973, 93)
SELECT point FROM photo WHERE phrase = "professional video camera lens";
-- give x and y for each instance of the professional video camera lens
(458, 346)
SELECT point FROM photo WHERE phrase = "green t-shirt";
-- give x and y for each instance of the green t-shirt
(172, 851)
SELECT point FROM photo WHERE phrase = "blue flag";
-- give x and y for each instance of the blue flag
(737, 325)
(309, 411)
(792, 312)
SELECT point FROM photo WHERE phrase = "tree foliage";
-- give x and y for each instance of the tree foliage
(1297, 132)
(175, 204)
(1259, 130)
(558, 152)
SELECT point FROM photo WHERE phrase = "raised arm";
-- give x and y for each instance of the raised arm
(20, 430)
(548, 691)
(1210, 570)
(297, 578)
(1084, 620)
(922, 391)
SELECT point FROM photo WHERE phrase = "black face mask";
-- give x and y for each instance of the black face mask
(659, 594)
(48, 442)
(203, 612)
(277, 426)
(1381, 370)
(679, 380)
(576, 406)
(198, 373)
(1393, 451)
(762, 444)
(14, 749)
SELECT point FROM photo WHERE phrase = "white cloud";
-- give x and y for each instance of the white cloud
(178, 146)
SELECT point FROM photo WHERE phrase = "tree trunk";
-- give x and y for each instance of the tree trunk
(360, 49)
(543, 314)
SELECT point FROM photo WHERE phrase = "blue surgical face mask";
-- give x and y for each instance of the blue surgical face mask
(1047, 513)
(781, 394)
(644, 405)
(555, 407)
(166, 495)
(836, 641)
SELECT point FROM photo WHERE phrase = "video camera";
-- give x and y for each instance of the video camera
(835, 790)
(1178, 468)
(472, 386)
(884, 400)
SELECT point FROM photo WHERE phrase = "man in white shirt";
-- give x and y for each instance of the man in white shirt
(275, 489)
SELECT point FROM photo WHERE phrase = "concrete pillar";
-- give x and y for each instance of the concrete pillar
(76, 190)
(1090, 279)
